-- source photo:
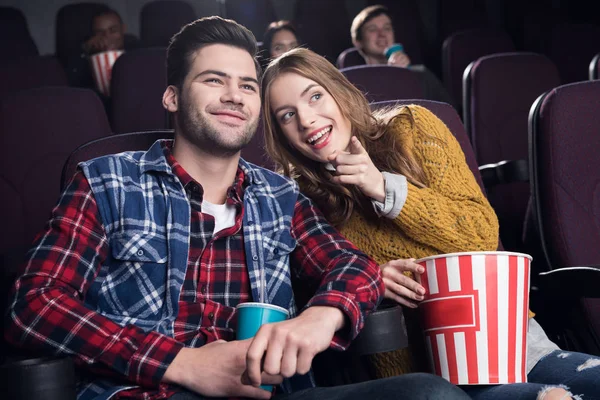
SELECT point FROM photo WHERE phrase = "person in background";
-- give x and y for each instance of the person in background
(372, 33)
(280, 36)
(139, 271)
(107, 32)
(396, 183)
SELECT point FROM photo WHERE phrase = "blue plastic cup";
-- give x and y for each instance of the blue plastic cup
(251, 316)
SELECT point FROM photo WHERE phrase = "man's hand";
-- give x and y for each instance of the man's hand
(96, 44)
(399, 59)
(216, 369)
(288, 348)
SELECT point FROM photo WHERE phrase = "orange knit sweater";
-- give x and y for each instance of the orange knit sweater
(450, 215)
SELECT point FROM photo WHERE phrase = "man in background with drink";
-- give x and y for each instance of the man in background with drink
(373, 36)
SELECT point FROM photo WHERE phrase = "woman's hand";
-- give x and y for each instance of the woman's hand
(400, 287)
(356, 168)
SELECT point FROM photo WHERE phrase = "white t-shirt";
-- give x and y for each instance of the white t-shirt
(224, 215)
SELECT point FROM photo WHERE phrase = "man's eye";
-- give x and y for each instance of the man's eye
(249, 87)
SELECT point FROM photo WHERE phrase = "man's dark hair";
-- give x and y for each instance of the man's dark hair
(203, 32)
(365, 16)
(106, 11)
(272, 29)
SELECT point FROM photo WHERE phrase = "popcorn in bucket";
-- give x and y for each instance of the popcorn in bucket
(102, 64)
(475, 316)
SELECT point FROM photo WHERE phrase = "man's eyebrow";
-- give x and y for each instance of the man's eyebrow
(312, 85)
(225, 75)
(249, 79)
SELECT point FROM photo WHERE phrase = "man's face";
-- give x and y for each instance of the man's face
(110, 27)
(377, 35)
(219, 102)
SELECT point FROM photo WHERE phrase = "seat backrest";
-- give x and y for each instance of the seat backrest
(384, 82)
(462, 48)
(113, 144)
(139, 79)
(323, 26)
(350, 58)
(499, 90)
(449, 116)
(498, 93)
(15, 40)
(73, 27)
(31, 73)
(255, 15)
(41, 127)
(564, 143)
(572, 46)
(161, 19)
(595, 67)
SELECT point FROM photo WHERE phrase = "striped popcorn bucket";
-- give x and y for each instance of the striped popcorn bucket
(102, 64)
(475, 316)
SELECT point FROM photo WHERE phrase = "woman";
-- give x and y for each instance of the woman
(279, 37)
(397, 185)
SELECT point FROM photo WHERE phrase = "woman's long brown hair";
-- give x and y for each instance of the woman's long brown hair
(336, 201)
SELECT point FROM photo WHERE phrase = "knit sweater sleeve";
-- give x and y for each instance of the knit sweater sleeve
(450, 213)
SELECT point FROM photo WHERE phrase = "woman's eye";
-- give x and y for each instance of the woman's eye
(286, 117)
(316, 96)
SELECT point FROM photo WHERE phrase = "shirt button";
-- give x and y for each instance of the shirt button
(211, 316)
(140, 253)
(255, 257)
(203, 289)
(276, 251)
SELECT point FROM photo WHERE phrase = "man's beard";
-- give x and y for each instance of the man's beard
(198, 129)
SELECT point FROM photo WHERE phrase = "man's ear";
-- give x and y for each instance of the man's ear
(356, 44)
(170, 99)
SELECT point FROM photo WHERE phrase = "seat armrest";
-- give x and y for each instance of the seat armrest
(574, 282)
(504, 172)
(384, 330)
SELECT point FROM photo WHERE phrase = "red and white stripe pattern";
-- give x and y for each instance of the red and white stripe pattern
(102, 64)
(475, 316)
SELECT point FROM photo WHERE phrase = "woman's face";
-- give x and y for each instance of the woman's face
(309, 117)
(283, 41)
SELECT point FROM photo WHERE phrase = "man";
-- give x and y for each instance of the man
(108, 33)
(372, 33)
(147, 254)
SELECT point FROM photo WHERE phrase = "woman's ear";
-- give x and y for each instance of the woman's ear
(170, 99)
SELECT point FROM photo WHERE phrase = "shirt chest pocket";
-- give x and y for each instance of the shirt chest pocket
(279, 248)
(135, 277)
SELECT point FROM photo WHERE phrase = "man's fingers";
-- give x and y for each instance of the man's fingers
(289, 360)
(305, 358)
(254, 357)
(274, 354)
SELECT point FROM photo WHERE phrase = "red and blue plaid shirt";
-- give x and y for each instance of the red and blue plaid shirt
(49, 312)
